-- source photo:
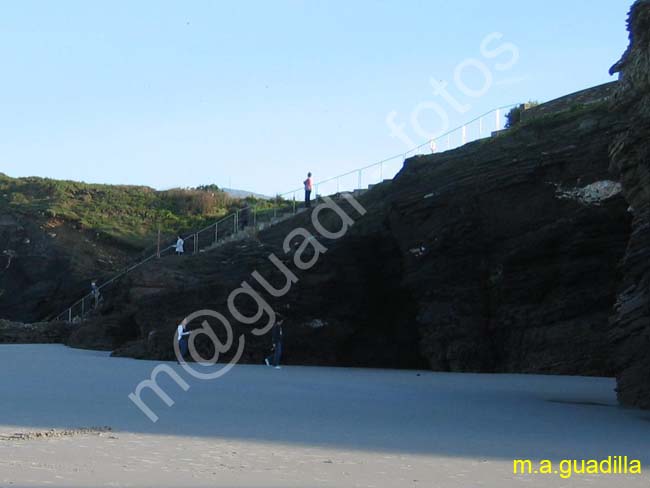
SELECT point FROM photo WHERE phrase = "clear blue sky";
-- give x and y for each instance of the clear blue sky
(255, 93)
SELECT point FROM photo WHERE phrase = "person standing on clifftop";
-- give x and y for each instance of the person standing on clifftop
(308, 186)
(179, 246)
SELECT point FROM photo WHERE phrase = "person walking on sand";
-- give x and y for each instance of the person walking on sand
(179, 246)
(308, 186)
(276, 336)
(182, 334)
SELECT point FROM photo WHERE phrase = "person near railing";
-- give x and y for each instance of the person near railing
(179, 246)
(308, 187)
(94, 291)
(243, 217)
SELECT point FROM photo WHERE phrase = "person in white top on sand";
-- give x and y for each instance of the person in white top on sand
(182, 335)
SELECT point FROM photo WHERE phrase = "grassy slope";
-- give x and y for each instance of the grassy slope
(128, 214)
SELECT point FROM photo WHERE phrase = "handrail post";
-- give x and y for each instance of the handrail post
(464, 134)
(497, 124)
(234, 222)
(338, 186)
(294, 202)
(196, 243)
(83, 308)
(216, 232)
(70, 314)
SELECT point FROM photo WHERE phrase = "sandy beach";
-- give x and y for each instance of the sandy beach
(301, 426)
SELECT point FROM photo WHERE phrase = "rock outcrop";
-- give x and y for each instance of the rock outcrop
(36, 333)
(47, 263)
(347, 310)
(630, 155)
(517, 242)
(526, 252)
(499, 256)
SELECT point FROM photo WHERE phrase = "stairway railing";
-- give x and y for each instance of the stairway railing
(231, 225)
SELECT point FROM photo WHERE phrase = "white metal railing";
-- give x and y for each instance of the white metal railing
(289, 203)
(478, 128)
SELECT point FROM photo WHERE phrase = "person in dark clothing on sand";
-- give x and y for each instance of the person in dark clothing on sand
(276, 337)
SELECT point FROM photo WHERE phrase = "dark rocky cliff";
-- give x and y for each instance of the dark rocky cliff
(40, 332)
(57, 235)
(46, 263)
(526, 252)
(630, 153)
(522, 237)
(499, 256)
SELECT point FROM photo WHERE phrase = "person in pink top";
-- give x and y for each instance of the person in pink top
(308, 186)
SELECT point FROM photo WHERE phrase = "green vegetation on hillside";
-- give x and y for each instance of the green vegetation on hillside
(129, 214)
(513, 117)
(570, 112)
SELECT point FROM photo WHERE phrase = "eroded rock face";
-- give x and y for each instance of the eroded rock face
(517, 242)
(46, 264)
(503, 255)
(499, 256)
(630, 157)
(349, 309)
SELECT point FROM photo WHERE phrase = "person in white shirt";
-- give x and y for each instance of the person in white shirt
(182, 335)
(179, 246)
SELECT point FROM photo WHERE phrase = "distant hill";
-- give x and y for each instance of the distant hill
(245, 194)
